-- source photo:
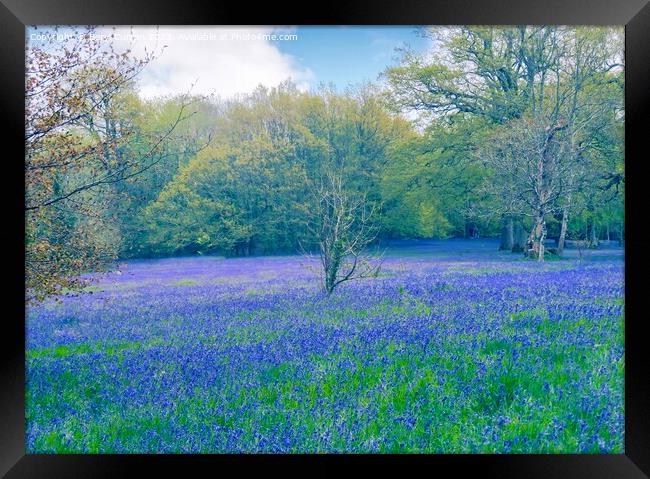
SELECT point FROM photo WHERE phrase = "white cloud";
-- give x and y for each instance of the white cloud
(224, 61)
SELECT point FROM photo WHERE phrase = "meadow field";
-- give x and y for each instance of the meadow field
(453, 348)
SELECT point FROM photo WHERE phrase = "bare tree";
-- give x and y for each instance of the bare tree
(344, 225)
(80, 148)
(539, 164)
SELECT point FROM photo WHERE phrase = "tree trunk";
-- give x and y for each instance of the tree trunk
(519, 236)
(592, 237)
(563, 228)
(507, 233)
(537, 237)
(620, 234)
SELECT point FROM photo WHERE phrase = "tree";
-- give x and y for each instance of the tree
(151, 119)
(538, 165)
(344, 225)
(76, 140)
(502, 74)
(431, 181)
(272, 145)
(492, 72)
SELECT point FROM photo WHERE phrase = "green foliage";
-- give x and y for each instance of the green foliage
(487, 89)
(429, 187)
(250, 191)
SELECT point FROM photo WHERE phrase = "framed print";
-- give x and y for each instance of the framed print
(388, 234)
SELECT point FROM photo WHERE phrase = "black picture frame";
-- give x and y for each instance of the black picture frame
(15, 14)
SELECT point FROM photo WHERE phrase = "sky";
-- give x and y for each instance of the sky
(344, 55)
(228, 61)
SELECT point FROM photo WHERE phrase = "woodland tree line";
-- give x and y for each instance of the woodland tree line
(514, 132)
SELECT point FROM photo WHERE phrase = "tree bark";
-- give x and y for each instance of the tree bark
(620, 234)
(507, 233)
(563, 228)
(519, 236)
(592, 238)
(537, 237)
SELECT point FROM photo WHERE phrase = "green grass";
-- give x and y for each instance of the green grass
(184, 282)
(108, 348)
(397, 381)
